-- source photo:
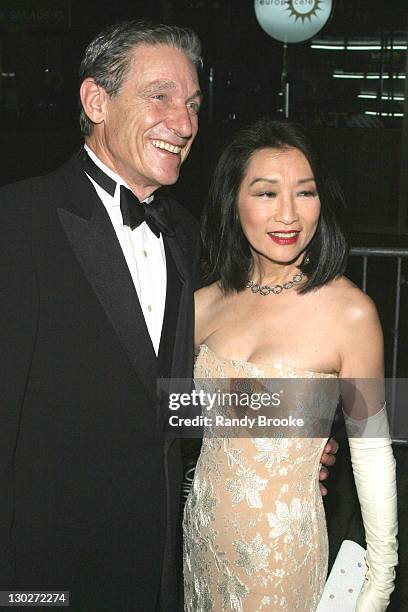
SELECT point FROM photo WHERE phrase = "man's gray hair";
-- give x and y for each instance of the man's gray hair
(108, 58)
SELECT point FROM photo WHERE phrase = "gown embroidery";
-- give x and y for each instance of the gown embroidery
(255, 535)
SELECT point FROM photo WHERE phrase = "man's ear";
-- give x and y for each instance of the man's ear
(93, 98)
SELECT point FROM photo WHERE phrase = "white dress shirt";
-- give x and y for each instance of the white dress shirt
(144, 254)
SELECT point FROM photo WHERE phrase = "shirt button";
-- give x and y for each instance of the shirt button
(149, 308)
(145, 252)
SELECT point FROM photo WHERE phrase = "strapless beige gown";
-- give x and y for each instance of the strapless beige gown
(255, 535)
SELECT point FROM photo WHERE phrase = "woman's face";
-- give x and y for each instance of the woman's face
(278, 204)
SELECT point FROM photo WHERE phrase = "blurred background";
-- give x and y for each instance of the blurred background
(348, 84)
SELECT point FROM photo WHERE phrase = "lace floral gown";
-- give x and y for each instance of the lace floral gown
(254, 525)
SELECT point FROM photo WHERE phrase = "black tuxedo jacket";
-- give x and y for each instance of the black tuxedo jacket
(89, 486)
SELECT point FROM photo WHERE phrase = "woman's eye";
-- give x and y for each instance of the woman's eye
(308, 193)
(267, 194)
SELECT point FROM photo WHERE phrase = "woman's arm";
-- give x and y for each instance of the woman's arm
(370, 447)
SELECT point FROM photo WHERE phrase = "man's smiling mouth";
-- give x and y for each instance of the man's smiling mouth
(161, 144)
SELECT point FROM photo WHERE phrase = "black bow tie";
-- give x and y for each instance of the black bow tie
(134, 213)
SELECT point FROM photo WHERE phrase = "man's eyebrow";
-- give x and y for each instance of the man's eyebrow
(161, 84)
(197, 94)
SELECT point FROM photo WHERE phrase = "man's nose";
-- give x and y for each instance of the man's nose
(180, 121)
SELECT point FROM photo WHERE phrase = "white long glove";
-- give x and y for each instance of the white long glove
(375, 477)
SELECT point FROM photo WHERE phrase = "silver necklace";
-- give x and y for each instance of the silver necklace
(276, 289)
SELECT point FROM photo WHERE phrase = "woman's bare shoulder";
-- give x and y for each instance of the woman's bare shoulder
(348, 303)
(206, 300)
(356, 331)
(207, 296)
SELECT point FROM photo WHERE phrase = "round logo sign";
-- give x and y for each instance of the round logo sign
(292, 21)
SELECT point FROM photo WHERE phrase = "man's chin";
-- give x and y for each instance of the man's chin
(169, 179)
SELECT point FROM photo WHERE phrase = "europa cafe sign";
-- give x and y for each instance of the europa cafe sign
(292, 21)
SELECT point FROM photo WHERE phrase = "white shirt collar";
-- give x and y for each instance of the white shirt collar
(115, 177)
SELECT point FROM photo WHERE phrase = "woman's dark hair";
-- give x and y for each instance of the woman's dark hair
(226, 250)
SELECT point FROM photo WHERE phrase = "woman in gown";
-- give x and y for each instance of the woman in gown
(277, 306)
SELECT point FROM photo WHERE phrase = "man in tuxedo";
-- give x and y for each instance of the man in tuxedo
(95, 305)
(96, 302)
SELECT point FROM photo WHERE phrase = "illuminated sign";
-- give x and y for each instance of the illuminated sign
(292, 21)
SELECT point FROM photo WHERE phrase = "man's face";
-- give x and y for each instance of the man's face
(150, 125)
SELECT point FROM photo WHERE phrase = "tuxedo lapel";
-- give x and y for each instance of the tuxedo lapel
(174, 352)
(181, 307)
(171, 313)
(97, 249)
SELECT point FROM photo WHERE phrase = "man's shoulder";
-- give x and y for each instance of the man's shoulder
(184, 222)
(181, 214)
(187, 229)
(30, 191)
(26, 188)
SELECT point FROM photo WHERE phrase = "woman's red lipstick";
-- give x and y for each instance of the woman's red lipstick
(284, 237)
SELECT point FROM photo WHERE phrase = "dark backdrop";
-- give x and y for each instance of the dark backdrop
(39, 131)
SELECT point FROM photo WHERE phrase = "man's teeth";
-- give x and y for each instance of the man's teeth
(160, 144)
(284, 234)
